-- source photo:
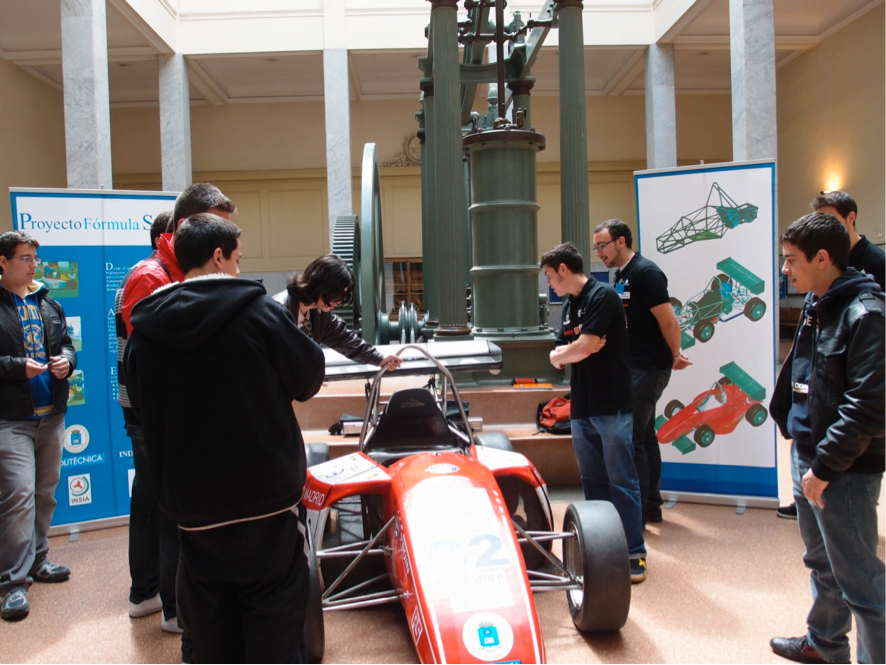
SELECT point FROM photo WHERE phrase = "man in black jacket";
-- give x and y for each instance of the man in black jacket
(36, 359)
(213, 365)
(829, 400)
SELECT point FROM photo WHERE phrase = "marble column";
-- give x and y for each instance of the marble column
(175, 123)
(752, 47)
(337, 106)
(661, 114)
(575, 223)
(87, 100)
(449, 187)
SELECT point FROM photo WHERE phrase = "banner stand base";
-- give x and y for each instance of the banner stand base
(737, 500)
(92, 525)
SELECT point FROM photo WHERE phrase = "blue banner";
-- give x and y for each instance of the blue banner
(88, 241)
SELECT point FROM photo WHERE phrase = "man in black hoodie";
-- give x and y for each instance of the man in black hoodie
(213, 366)
(829, 400)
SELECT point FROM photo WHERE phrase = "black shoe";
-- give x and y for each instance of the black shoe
(787, 512)
(15, 604)
(638, 570)
(46, 571)
(652, 517)
(796, 649)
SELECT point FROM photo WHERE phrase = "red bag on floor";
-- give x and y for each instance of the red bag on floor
(553, 417)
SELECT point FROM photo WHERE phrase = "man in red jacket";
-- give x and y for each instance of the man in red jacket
(154, 570)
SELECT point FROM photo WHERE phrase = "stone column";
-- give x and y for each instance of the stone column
(87, 101)
(449, 186)
(752, 46)
(575, 224)
(175, 123)
(337, 101)
(661, 114)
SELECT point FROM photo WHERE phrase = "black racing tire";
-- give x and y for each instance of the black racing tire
(704, 436)
(676, 304)
(316, 453)
(754, 309)
(598, 554)
(497, 440)
(315, 633)
(756, 415)
(673, 408)
(703, 331)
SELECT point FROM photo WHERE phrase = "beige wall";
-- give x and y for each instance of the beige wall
(831, 124)
(32, 136)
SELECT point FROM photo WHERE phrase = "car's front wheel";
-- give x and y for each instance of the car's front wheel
(597, 554)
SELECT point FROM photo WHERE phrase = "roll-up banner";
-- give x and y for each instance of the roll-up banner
(711, 229)
(88, 241)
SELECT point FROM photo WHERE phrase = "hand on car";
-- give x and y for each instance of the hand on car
(391, 362)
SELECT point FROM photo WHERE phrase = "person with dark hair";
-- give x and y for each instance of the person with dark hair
(863, 256)
(325, 284)
(600, 409)
(828, 401)
(153, 539)
(654, 336)
(36, 359)
(202, 197)
(155, 561)
(225, 452)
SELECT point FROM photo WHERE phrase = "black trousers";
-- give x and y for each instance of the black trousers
(243, 591)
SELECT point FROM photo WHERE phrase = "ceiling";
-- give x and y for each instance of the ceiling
(30, 36)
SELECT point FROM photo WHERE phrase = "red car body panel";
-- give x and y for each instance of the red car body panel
(452, 554)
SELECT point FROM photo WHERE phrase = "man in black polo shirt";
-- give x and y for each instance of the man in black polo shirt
(864, 256)
(654, 337)
(601, 391)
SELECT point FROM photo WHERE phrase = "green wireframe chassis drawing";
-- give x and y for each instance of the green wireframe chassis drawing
(729, 294)
(709, 222)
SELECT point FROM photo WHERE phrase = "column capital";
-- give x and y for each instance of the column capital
(562, 4)
(521, 87)
(441, 4)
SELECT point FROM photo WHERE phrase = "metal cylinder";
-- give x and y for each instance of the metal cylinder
(504, 232)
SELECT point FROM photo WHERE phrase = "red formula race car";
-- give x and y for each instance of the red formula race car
(716, 411)
(457, 528)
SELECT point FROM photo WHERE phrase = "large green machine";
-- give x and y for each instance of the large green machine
(479, 200)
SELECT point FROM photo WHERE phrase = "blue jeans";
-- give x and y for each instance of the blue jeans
(846, 576)
(153, 537)
(30, 467)
(649, 384)
(605, 459)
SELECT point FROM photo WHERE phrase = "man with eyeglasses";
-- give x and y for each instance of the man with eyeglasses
(325, 284)
(654, 337)
(36, 359)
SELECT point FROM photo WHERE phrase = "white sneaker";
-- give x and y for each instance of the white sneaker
(146, 607)
(170, 625)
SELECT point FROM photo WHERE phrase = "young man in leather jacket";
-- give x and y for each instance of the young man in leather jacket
(829, 401)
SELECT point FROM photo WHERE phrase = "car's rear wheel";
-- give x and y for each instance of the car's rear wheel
(704, 436)
(673, 408)
(755, 309)
(756, 415)
(315, 634)
(597, 554)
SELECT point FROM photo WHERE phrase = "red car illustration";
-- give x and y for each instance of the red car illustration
(716, 411)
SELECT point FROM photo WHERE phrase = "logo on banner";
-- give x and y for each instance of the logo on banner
(76, 439)
(79, 490)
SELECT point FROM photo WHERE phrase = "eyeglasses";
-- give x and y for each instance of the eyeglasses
(599, 247)
(25, 258)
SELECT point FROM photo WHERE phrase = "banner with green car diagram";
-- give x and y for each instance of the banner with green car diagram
(712, 230)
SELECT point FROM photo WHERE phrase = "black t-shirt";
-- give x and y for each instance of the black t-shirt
(642, 285)
(601, 383)
(867, 257)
